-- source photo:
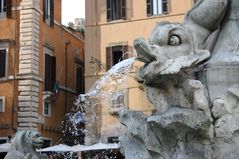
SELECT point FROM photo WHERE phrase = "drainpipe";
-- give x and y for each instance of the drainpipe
(66, 72)
(14, 67)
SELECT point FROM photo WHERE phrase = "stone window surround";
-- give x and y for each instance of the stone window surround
(3, 103)
(3, 13)
(5, 46)
(43, 108)
(118, 13)
(157, 10)
(113, 109)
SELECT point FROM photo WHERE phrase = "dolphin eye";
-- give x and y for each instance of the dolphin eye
(174, 40)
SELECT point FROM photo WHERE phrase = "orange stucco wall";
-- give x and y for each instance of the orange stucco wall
(56, 38)
(101, 34)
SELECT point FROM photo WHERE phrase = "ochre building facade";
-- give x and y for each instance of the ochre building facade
(41, 68)
(111, 27)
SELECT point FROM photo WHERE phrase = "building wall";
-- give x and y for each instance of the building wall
(100, 34)
(27, 36)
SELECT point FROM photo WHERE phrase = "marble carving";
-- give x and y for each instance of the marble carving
(24, 145)
(188, 78)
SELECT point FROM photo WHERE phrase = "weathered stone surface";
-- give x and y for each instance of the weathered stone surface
(139, 127)
(192, 119)
(24, 145)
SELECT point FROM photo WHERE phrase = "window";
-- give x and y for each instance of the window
(118, 100)
(115, 54)
(50, 71)
(116, 9)
(3, 63)
(79, 78)
(48, 14)
(2, 104)
(157, 7)
(5, 8)
(47, 108)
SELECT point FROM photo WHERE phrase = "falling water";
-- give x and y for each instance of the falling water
(88, 106)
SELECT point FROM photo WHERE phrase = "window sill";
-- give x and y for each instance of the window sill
(47, 93)
(117, 21)
(158, 15)
(48, 23)
(3, 79)
(45, 115)
(48, 96)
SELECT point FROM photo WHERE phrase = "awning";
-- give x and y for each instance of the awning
(79, 148)
(56, 148)
(5, 147)
(98, 146)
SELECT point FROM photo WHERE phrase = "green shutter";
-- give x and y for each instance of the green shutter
(8, 6)
(149, 7)
(123, 9)
(165, 6)
(108, 10)
(3, 63)
(51, 12)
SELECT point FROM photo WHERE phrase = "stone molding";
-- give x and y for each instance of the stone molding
(28, 84)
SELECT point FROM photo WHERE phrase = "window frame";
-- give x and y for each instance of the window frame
(3, 98)
(5, 47)
(110, 56)
(150, 9)
(50, 108)
(117, 12)
(3, 9)
(49, 52)
(81, 66)
(48, 12)
(115, 98)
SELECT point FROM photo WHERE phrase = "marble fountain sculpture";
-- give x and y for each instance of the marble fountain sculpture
(24, 145)
(191, 75)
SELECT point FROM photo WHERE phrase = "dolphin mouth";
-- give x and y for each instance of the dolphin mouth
(38, 144)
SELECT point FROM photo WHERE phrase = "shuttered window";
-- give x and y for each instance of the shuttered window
(9, 8)
(115, 54)
(116, 9)
(48, 14)
(50, 72)
(5, 8)
(3, 63)
(156, 7)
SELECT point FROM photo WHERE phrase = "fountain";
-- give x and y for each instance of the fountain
(24, 145)
(190, 76)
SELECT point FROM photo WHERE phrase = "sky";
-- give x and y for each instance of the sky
(72, 9)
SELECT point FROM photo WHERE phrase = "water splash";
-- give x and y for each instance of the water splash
(88, 106)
